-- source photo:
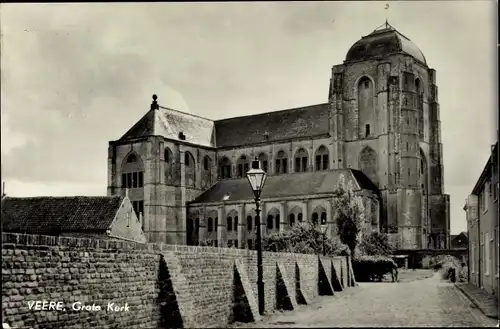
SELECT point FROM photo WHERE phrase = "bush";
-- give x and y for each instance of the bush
(303, 238)
(376, 243)
(369, 268)
(446, 263)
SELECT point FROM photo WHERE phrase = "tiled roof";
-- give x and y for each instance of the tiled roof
(300, 122)
(276, 186)
(170, 123)
(364, 182)
(40, 215)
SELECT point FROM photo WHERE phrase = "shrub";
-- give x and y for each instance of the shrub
(369, 268)
(205, 243)
(446, 263)
(303, 238)
(376, 243)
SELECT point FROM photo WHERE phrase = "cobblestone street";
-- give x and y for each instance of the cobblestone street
(426, 302)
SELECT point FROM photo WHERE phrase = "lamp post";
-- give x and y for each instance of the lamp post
(323, 233)
(257, 178)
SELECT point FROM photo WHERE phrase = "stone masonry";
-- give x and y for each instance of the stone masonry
(163, 285)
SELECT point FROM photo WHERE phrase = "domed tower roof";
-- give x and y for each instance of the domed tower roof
(384, 41)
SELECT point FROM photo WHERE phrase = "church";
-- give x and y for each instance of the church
(379, 129)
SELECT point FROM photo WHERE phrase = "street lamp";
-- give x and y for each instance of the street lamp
(257, 178)
(323, 233)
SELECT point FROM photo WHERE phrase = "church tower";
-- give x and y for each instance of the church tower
(385, 121)
(163, 162)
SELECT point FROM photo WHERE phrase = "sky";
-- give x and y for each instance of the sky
(75, 76)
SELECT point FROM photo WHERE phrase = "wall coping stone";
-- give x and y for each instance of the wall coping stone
(47, 240)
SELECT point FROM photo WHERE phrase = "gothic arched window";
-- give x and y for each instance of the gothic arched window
(225, 168)
(190, 169)
(322, 158)
(243, 166)
(281, 163)
(264, 162)
(301, 158)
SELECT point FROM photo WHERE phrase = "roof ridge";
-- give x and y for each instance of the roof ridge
(271, 112)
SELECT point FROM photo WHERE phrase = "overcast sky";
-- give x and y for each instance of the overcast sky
(75, 76)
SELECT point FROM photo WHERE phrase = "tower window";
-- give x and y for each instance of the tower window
(367, 130)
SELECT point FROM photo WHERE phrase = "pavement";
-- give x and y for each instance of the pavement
(486, 302)
(421, 302)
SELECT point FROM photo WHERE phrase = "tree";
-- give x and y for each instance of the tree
(376, 243)
(303, 238)
(349, 214)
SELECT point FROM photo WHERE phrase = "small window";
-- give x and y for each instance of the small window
(250, 244)
(134, 180)
(291, 219)
(141, 179)
(323, 218)
(299, 217)
(270, 223)
(186, 159)
(205, 163)
(210, 224)
(235, 223)
(167, 155)
(249, 223)
(367, 83)
(315, 219)
(129, 180)
(277, 218)
(229, 223)
(367, 130)
(236, 243)
(265, 166)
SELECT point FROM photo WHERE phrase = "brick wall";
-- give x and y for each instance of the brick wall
(163, 285)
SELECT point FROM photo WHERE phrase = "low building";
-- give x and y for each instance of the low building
(103, 217)
(225, 213)
(459, 241)
(482, 227)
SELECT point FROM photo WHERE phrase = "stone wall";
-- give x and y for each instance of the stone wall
(162, 286)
